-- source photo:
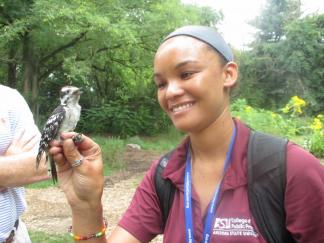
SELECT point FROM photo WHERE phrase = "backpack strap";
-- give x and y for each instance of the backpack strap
(266, 185)
(164, 188)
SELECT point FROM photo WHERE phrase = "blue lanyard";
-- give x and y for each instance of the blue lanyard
(212, 205)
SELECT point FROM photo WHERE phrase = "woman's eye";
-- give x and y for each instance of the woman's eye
(161, 85)
(186, 75)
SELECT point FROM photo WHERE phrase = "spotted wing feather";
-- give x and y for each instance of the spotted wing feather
(50, 131)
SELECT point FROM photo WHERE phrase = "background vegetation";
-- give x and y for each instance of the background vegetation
(107, 48)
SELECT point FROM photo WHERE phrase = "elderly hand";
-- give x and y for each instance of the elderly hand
(23, 142)
(82, 184)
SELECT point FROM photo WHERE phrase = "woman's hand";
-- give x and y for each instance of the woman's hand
(83, 184)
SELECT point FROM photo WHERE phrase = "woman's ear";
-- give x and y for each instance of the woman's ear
(231, 73)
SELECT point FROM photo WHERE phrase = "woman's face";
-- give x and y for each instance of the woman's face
(191, 83)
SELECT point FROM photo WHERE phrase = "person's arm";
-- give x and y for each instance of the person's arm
(83, 187)
(304, 196)
(19, 170)
(18, 164)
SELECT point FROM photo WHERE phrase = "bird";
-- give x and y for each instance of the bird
(64, 118)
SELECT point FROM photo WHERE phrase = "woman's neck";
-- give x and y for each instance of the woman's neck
(211, 144)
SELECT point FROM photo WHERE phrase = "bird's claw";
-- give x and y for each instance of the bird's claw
(78, 138)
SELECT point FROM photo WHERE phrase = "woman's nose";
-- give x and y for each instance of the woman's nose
(174, 89)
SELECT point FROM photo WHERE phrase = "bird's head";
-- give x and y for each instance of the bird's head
(70, 95)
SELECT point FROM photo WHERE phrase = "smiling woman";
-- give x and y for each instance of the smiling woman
(194, 73)
(191, 80)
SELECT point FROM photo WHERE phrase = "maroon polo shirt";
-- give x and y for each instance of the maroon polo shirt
(304, 200)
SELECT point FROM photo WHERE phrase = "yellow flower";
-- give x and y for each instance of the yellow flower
(286, 109)
(294, 106)
(317, 125)
(298, 101)
(248, 109)
(274, 115)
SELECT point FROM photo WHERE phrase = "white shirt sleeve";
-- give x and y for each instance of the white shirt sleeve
(25, 120)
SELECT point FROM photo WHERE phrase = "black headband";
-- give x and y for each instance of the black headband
(208, 35)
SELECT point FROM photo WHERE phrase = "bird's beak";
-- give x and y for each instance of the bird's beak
(78, 92)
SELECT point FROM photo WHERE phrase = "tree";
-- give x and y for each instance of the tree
(105, 47)
(274, 17)
(303, 58)
(285, 59)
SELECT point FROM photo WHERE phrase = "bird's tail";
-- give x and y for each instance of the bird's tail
(53, 169)
(39, 157)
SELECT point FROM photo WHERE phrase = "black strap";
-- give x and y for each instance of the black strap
(12, 233)
(164, 188)
(266, 185)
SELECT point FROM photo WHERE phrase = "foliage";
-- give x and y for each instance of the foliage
(41, 237)
(162, 143)
(287, 122)
(273, 18)
(294, 106)
(125, 118)
(41, 184)
(105, 47)
(286, 58)
(315, 142)
(265, 120)
(112, 150)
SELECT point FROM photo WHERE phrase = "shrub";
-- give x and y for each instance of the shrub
(264, 120)
(124, 118)
(315, 141)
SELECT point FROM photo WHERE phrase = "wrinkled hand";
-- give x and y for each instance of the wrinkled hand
(22, 142)
(82, 185)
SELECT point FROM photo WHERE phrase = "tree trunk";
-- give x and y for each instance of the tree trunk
(30, 75)
(34, 100)
(27, 66)
(12, 66)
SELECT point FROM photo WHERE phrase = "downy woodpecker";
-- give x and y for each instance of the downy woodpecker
(63, 119)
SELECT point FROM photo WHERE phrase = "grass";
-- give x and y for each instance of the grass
(41, 237)
(41, 184)
(160, 143)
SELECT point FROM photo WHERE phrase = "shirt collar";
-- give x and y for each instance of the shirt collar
(236, 174)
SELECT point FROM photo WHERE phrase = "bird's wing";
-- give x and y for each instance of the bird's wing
(50, 130)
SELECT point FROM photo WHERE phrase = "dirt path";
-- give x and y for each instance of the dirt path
(49, 212)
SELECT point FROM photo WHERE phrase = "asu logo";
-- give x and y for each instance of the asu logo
(234, 227)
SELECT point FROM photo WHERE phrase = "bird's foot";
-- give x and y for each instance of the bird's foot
(78, 138)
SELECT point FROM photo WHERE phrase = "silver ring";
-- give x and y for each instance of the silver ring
(77, 162)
